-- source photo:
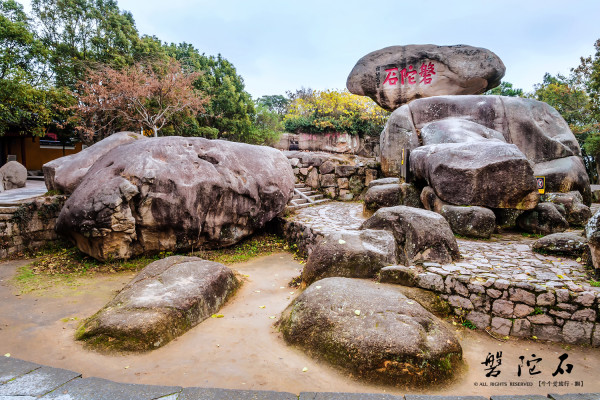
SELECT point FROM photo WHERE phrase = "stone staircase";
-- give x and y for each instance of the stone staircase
(304, 196)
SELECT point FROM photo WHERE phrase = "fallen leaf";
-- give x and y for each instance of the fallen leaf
(534, 337)
(261, 306)
(318, 287)
(257, 291)
(217, 316)
(341, 241)
(304, 369)
(357, 312)
(410, 302)
(272, 317)
(7, 355)
(578, 259)
(126, 367)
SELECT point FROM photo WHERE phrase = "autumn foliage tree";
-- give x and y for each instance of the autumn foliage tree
(143, 95)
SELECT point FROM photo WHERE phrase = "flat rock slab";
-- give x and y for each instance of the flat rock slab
(38, 382)
(396, 75)
(102, 389)
(347, 396)
(228, 394)
(164, 300)
(11, 368)
(371, 329)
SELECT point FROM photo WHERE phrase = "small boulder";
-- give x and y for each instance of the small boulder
(543, 219)
(166, 299)
(488, 173)
(351, 254)
(372, 330)
(404, 194)
(563, 243)
(13, 175)
(470, 221)
(575, 212)
(397, 75)
(420, 235)
(66, 173)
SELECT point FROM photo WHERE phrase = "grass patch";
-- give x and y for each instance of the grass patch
(594, 283)
(61, 263)
(532, 235)
(468, 324)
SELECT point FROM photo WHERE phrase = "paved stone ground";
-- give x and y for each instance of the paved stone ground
(23, 380)
(507, 256)
(33, 188)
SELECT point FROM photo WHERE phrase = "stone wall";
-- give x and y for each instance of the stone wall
(30, 225)
(522, 309)
(338, 177)
(330, 142)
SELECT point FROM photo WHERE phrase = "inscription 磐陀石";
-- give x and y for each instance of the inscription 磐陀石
(406, 76)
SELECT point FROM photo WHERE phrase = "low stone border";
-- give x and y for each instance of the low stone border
(25, 380)
(30, 225)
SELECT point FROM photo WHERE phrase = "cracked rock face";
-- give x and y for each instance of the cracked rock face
(164, 300)
(371, 329)
(173, 193)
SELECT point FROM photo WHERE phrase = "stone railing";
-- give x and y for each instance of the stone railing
(30, 225)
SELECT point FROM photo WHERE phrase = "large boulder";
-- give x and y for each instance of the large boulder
(351, 254)
(420, 235)
(592, 233)
(66, 173)
(166, 299)
(13, 175)
(481, 173)
(175, 193)
(399, 74)
(543, 219)
(404, 194)
(373, 330)
(537, 129)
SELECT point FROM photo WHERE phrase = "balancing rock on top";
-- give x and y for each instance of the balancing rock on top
(396, 75)
(168, 193)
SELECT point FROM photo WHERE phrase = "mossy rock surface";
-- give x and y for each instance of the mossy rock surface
(373, 330)
(166, 299)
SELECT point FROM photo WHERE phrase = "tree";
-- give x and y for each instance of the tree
(505, 89)
(80, 33)
(275, 103)
(334, 111)
(144, 94)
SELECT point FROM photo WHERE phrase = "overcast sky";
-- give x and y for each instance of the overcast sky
(286, 44)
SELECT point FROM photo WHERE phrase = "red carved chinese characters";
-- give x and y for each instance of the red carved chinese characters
(392, 76)
(426, 71)
(409, 76)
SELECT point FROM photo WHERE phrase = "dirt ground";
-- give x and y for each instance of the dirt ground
(243, 350)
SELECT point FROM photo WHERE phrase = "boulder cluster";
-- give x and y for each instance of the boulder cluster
(472, 158)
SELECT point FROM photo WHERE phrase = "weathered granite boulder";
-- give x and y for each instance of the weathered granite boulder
(457, 130)
(537, 129)
(351, 254)
(575, 212)
(404, 194)
(12, 175)
(66, 173)
(592, 233)
(420, 235)
(565, 175)
(563, 243)
(543, 219)
(383, 181)
(166, 299)
(488, 173)
(470, 221)
(372, 330)
(175, 193)
(399, 74)
(431, 201)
